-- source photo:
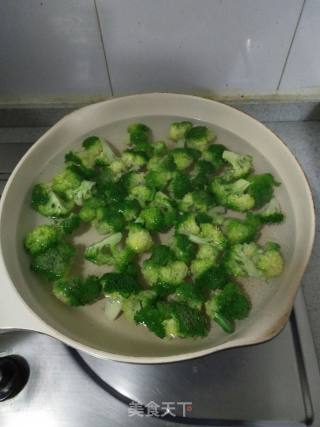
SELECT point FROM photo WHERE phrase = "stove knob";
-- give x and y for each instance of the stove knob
(14, 374)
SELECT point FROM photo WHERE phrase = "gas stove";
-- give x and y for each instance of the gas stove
(45, 383)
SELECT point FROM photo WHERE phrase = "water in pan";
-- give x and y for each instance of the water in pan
(124, 337)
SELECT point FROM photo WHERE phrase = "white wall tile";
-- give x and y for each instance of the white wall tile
(302, 72)
(200, 46)
(50, 48)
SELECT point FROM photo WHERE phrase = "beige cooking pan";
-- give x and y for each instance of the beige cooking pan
(26, 303)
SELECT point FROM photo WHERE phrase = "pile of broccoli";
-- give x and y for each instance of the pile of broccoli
(192, 192)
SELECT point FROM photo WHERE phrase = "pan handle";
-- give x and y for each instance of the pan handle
(14, 312)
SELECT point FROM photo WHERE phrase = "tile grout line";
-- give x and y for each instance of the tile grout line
(291, 44)
(103, 46)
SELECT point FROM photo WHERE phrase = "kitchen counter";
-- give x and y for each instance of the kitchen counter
(297, 124)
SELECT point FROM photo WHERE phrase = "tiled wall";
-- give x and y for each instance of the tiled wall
(81, 49)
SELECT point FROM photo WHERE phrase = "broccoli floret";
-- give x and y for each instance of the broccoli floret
(88, 211)
(124, 260)
(163, 290)
(117, 168)
(159, 148)
(140, 138)
(199, 137)
(188, 225)
(261, 188)
(142, 194)
(162, 164)
(178, 130)
(240, 165)
(133, 160)
(68, 225)
(41, 238)
(233, 195)
(109, 220)
(48, 203)
(76, 291)
(271, 214)
(139, 239)
(183, 157)
(167, 207)
(213, 154)
(130, 209)
(119, 284)
(82, 193)
(183, 249)
(228, 304)
(55, 262)
(180, 185)
(207, 257)
(66, 182)
(95, 151)
(199, 201)
(158, 179)
(101, 252)
(131, 179)
(242, 230)
(153, 219)
(162, 267)
(211, 279)
(210, 234)
(174, 319)
(252, 260)
(189, 294)
(136, 302)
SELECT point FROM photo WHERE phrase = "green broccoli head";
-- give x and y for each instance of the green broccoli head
(124, 260)
(228, 304)
(183, 157)
(174, 319)
(188, 225)
(197, 201)
(261, 188)
(133, 160)
(210, 234)
(139, 239)
(68, 225)
(65, 182)
(41, 238)
(178, 130)
(211, 279)
(271, 213)
(109, 220)
(199, 137)
(189, 294)
(242, 230)
(233, 195)
(184, 250)
(119, 284)
(47, 203)
(214, 155)
(130, 209)
(130, 180)
(55, 262)
(206, 258)
(159, 148)
(95, 151)
(158, 179)
(179, 185)
(76, 291)
(135, 302)
(88, 211)
(142, 194)
(153, 219)
(240, 165)
(100, 253)
(162, 266)
(140, 138)
(252, 260)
